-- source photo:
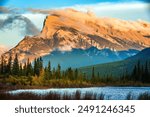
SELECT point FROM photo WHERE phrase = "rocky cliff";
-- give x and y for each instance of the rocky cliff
(68, 29)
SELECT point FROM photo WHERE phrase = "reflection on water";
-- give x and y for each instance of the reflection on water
(112, 93)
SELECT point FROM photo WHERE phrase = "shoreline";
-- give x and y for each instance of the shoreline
(78, 94)
(12, 88)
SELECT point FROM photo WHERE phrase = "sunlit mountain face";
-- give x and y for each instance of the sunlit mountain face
(36, 12)
(93, 31)
(68, 30)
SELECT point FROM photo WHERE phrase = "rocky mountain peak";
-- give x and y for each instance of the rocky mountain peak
(68, 29)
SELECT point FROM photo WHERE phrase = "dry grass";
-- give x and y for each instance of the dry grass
(51, 96)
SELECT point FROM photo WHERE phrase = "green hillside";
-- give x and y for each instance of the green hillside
(119, 68)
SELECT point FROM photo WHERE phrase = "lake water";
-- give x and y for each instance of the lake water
(111, 93)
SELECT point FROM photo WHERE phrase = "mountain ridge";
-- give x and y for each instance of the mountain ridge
(119, 68)
(68, 29)
(79, 57)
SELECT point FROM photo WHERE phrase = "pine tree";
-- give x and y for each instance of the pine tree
(47, 73)
(139, 74)
(63, 75)
(35, 67)
(24, 70)
(58, 72)
(20, 70)
(40, 63)
(93, 73)
(98, 75)
(5, 67)
(49, 69)
(76, 73)
(15, 68)
(53, 73)
(29, 69)
(146, 74)
(2, 65)
(38, 66)
(9, 65)
(38, 69)
(134, 73)
(70, 73)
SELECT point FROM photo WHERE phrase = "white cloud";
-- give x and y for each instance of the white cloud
(12, 35)
(127, 11)
(37, 19)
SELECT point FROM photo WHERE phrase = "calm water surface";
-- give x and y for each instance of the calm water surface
(111, 93)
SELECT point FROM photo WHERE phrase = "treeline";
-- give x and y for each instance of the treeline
(36, 74)
(12, 67)
(140, 73)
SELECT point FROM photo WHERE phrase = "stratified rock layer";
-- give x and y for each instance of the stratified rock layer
(68, 29)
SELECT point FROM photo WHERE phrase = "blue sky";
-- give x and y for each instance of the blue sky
(56, 3)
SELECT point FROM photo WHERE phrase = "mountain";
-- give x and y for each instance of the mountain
(3, 49)
(69, 29)
(143, 55)
(79, 57)
(119, 68)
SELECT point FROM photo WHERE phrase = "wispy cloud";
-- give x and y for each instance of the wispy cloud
(14, 27)
(8, 10)
(123, 10)
(12, 10)
(30, 28)
(4, 10)
(113, 6)
(127, 10)
(41, 11)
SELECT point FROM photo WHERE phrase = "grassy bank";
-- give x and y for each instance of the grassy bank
(65, 83)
